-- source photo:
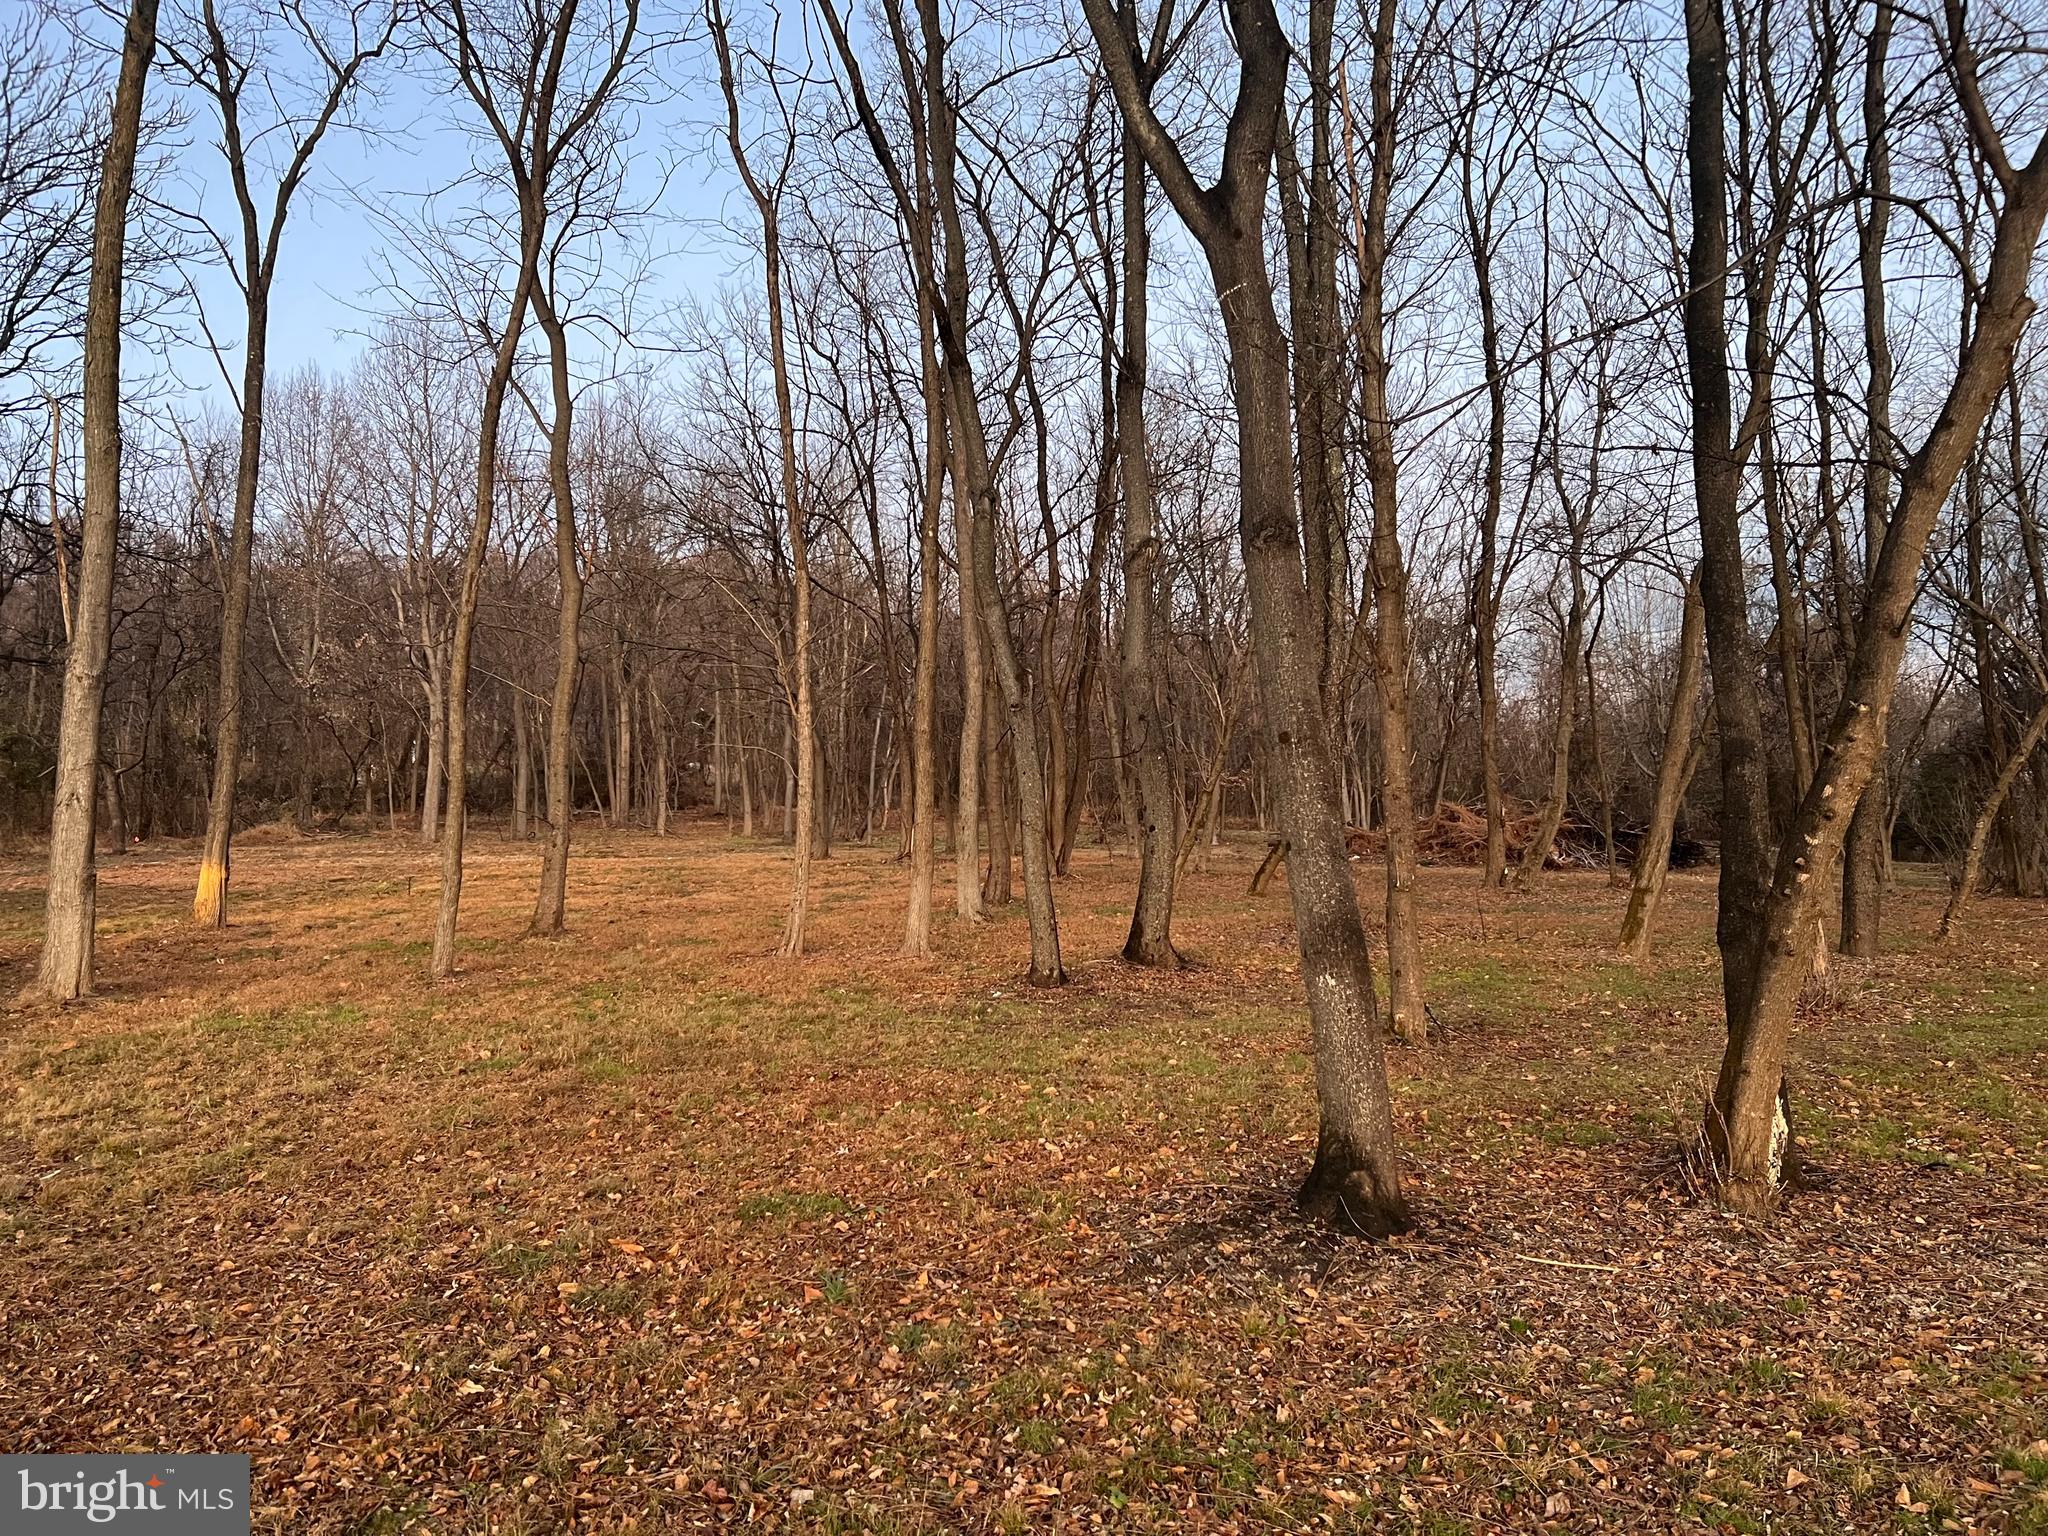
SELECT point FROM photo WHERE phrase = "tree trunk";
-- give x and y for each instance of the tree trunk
(1485, 603)
(1078, 683)
(821, 799)
(657, 723)
(1146, 729)
(1972, 875)
(924, 773)
(551, 901)
(1744, 1128)
(1551, 816)
(437, 737)
(746, 787)
(117, 810)
(1120, 765)
(1793, 640)
(455, 828)
(1599, 751)
(721, 768)
(522, 765)
(210, 901)
(1675, 768)
(66, 969)
(1202, 824)
(1389, 572)
(1355, 1181)
(998, 888)
(971, 466)
(867, 828)
(1865, 870)
(967, 801)
(1745, 798)
(622, 738)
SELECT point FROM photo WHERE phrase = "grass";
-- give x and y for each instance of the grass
(654, 1227)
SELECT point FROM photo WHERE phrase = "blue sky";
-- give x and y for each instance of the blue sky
(413, 140)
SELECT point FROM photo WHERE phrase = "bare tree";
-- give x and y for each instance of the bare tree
(1865, 865)
(68, 924)
(221, 58)
(1676, 764)
(766, 194)
(1766, 963)
(1145, 731)
(1355, 1181)
(1389, 635)
(511, 58)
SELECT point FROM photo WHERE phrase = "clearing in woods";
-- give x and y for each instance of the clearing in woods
(648, 1229)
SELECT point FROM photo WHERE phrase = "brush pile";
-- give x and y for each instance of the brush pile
(1456, 835)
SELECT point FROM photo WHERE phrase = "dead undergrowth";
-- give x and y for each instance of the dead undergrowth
(647, 1229)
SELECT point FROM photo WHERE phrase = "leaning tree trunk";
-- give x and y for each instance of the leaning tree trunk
(1987, 817)
(1551, 816)
(1675, 768)
(71, 887)
(1745, 1133)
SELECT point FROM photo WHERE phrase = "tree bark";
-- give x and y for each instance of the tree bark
(1716, 464)
(1389, 570)
(924, 786)
(1675, 768)
(1146, 732)
(1744, 1132)
(1965, 889)
(1355, 1181)
(971, 466)
(66, 967)
(551, 901)
(1864, 869)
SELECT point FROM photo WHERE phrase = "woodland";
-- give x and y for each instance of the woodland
(1003, 767)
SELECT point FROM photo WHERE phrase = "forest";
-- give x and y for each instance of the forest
(950, 766)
